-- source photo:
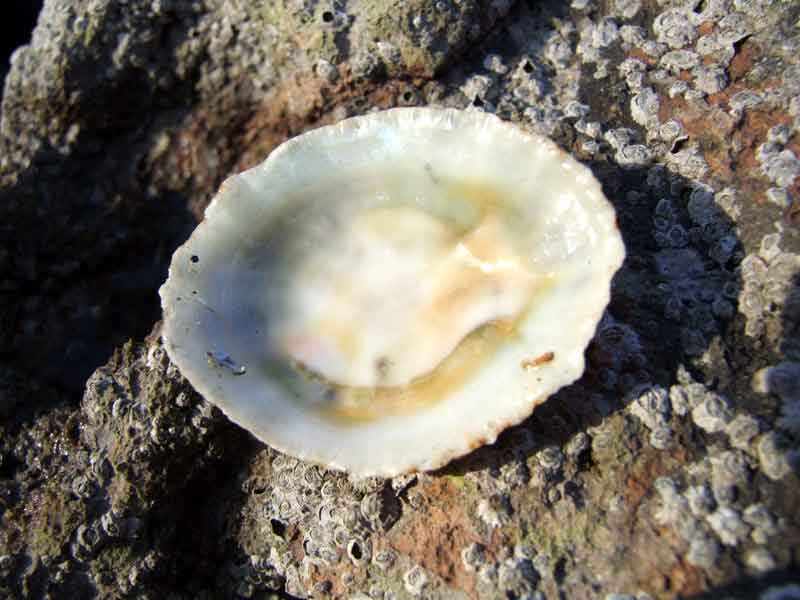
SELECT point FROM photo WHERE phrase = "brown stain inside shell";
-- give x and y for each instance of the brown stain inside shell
(360, 405)
(543, 359)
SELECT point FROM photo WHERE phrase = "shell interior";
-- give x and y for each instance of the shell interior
(384, 294)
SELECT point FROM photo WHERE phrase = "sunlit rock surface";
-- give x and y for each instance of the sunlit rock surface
(669, 469)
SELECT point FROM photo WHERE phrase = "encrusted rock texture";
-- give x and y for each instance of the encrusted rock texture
(670, 469)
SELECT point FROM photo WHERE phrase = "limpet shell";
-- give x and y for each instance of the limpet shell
(385, 294)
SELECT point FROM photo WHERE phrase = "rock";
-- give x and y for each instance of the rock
(713, 413)
(120, 120)
(701, 500)
(703, 552)
(760, 560)
(773, 457)
(728, 525)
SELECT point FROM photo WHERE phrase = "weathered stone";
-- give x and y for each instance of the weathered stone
(120, 120)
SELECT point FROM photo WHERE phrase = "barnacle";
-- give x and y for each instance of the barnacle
(385, 294)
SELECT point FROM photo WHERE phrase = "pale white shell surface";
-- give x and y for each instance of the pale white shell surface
(222, 296)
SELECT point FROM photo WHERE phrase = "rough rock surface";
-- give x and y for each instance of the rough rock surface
(670, 469)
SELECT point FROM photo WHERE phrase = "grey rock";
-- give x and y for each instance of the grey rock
(760, 560)
(689, 163)
(661, 438)
(772, 456)
(620, 137)
(679, 60)
(745, 99)
(604, 33)
(780, 197)
(677, 88)
(779, 134)
(651, 405)
(729, 475)
(674, 506)
(633, 36)
(120, 120)
(680, 263)
(415, 580)
(710, 80)
(763, 522)
(671, 131)
(701, 500)
(727, 523)
(781, 167)
(627, 8)
(770, 247)
(713, 413)
(703, 552)
(734, 27)
(384, 559)
(473, 556)
(551, 458)
(675, 28)
(742, 430)
(679, 400)
(790, 591)
(644, 107)
(578, 445)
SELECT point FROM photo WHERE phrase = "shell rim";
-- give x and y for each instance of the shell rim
(365, 123)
